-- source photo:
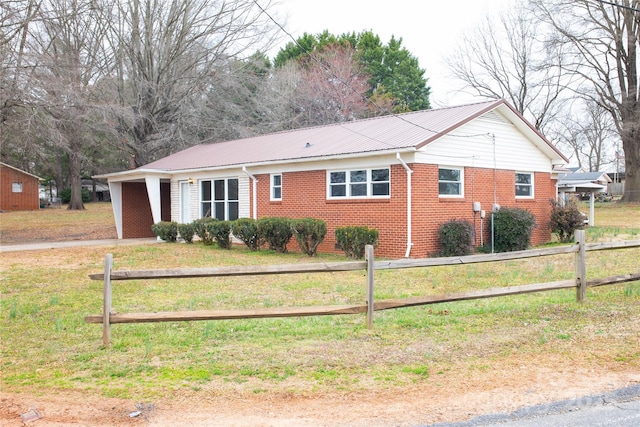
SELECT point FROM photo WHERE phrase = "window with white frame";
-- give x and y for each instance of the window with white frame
(450, 181)
(524, 184)
(359, 183)
(16, 187)
(276, 187)
(219, 199)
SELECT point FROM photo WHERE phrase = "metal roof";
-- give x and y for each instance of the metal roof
(399, 132)
(584, 177)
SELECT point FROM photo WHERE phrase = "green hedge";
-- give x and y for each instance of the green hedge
(246, 229)
(187, 231)
(204, 229)
(309, 233)
(276, 231)
(456, 238)
(512, 229)
(165, 230)
(353, 239)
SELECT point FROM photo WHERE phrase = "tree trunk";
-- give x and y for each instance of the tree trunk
(632, 169)
(75, 162)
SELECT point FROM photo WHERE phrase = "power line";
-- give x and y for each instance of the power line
(622, 6)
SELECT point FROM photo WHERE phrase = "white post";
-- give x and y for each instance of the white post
(153, 191)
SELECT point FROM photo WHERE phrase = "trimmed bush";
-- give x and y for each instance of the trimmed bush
(246, 229)
(456, 238)
(221, 232)
(276, 231)
(187, 231)
(309, 233)
(353, 239)
(512, 229)
(165, 230)
(565, 220)
(203, 229)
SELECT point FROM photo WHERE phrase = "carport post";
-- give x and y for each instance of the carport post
(106, 308)
(369, 256)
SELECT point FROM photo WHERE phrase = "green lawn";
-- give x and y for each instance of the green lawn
(47, 346)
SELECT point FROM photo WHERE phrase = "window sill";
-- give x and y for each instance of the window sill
(350, 201)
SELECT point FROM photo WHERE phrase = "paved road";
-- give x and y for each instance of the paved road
(34, 246)
(620, 408)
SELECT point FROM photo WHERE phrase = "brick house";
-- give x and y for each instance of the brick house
(19, 190)
(404, 175)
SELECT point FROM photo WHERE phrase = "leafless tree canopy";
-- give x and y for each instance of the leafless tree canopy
(126, 80)
(506, 58)
(600, 42)
(571, 67)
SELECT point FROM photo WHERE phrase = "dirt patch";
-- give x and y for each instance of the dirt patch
(455, 396)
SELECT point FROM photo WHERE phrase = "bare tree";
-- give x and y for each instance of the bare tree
(587, 131)
(67, 58)
(166, 54)
(15, 19)
(332, 87)
(506, 59)
(600, 43)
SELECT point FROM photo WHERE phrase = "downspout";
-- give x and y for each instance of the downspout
(255, 191)
(409, 172)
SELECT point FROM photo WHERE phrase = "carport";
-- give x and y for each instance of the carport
(577, 183)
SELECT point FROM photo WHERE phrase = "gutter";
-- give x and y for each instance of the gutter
(409, 173)
(255, 191)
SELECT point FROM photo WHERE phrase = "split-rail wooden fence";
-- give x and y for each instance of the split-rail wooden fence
(580, 283)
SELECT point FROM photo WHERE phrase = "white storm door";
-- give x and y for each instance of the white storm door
(185, 202)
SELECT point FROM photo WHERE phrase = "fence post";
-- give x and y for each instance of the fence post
(581, 267)
(369, 256)
(106, 308)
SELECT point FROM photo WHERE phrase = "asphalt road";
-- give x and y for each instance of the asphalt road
(619, 408)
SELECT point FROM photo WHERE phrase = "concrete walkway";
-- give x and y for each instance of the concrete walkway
(35, 246)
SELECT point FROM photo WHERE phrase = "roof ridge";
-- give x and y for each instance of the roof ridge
(365, 119)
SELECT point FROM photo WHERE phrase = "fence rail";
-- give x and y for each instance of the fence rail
(579, 248)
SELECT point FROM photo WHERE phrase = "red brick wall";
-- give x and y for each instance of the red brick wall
(389, 216)
(165, 201)
(28, 199)
(136, 211)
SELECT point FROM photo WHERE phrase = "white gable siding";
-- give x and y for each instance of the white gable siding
(244, 205)
(473, 145)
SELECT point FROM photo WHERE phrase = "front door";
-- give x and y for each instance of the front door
(185, 202)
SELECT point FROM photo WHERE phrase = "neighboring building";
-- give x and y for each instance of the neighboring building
(616, 186)
(98, 190)
(585, 185)
(19, 190)
(404, 175)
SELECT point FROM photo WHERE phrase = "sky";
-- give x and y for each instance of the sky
(430, 29)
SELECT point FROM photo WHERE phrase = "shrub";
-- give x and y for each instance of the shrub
(246, 229)
(353, 240)
(309, 233)
(165, 230)
(221, 232)
(203, 229)
(276, 231)
(565, 220)
(65, 195)
(187, 231)
(456, 238)
(512, 229)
